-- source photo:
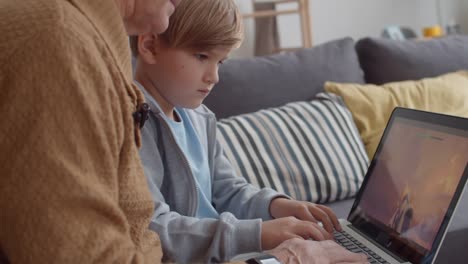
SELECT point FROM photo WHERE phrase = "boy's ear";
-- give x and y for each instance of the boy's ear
(148, 47)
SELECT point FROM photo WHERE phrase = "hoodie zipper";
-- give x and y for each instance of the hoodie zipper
(194, 207)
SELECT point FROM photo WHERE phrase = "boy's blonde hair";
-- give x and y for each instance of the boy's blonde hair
(202, 25)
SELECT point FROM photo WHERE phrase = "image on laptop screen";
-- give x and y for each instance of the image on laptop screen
(415, 177)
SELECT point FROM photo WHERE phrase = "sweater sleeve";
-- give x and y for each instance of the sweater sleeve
(188, 239)
(192, 240)
(61, 138)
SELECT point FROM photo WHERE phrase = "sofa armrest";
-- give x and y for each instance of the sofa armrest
(453, 248)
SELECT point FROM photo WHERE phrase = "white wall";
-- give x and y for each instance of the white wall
(332, 19)
(247, 48)
(359, 18)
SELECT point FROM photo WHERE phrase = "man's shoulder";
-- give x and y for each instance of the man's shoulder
(53, 43)
(26, 18)
(29, 11)
(51, 21)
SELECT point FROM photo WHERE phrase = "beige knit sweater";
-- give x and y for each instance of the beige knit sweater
(72, 188)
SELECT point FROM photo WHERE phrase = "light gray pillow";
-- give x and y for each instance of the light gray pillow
(385, 60)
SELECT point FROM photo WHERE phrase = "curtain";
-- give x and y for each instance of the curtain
(266, 31)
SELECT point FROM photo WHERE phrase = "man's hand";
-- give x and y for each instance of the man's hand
(295, 251)
(282, 207)
(274, 232)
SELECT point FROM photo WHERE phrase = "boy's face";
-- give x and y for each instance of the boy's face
(184, 78)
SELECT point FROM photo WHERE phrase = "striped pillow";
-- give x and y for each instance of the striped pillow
(308, 150)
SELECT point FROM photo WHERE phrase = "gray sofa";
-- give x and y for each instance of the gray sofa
(249, 85)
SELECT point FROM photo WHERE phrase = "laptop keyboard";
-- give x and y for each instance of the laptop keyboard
(353, 245)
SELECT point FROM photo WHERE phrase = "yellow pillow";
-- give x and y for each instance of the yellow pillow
(371, 105)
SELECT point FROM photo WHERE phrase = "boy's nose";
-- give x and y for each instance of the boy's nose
(212, 77)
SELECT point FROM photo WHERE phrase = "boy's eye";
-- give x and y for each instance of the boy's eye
(201, 57)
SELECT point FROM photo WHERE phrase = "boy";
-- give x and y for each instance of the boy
(198, 197)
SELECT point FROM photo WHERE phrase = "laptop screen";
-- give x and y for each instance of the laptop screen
(410, 190)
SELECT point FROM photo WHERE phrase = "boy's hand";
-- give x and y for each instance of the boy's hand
(274, 232)
(282, 207)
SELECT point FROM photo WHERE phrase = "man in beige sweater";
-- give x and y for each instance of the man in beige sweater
(72, 188)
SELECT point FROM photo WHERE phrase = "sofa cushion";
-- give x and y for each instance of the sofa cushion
(385, 60)
(251, 84)
(372, 105)
(308, 150)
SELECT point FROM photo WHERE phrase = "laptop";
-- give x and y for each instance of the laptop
(411, 189)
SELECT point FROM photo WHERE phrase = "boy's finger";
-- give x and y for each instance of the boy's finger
(305, 215)
(322, 216)
(332, 216)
